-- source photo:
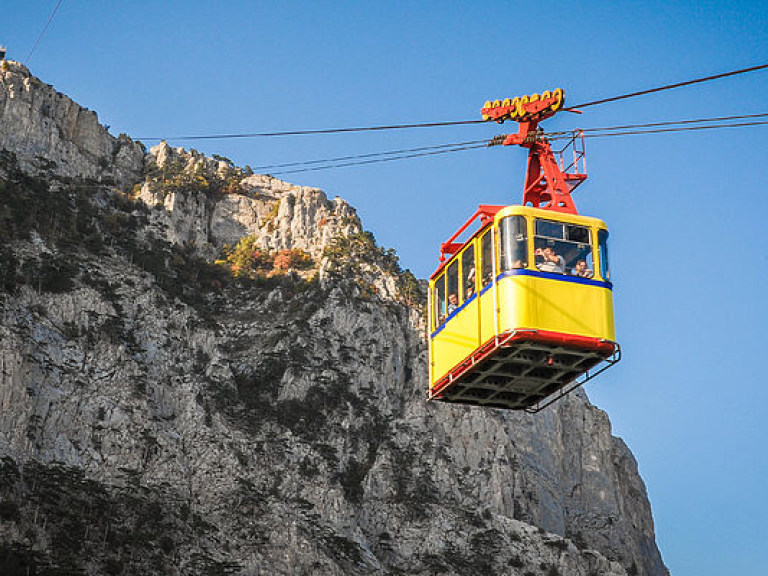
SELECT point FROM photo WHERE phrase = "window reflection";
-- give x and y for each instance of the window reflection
(561, 248)
(439, 301)
(514, 243)
(486, 254)
(452, 278)
(602, 244)
(468, 272)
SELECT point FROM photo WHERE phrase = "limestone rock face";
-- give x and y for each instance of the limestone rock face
(280, 215)
(50, 133)
(152, 421)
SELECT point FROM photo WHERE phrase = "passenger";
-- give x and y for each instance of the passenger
(553, 262)
(469, 284)
(517, 264)
(581, 269)
(453, 303)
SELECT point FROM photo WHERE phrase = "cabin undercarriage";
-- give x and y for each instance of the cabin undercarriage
(524, 370)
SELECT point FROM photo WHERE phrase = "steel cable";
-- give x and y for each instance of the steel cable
(45, 29)
(450, 123)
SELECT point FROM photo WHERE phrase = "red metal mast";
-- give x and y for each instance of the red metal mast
(546, 184)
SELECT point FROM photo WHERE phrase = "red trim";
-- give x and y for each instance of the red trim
(572, 340)
(542, 336)
(486, 213)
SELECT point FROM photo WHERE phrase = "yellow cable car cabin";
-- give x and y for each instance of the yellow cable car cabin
(522, 312)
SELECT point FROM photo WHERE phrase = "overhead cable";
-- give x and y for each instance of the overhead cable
(679, 129)
(438, 124)
(45, 29)
(560, 136)
(320, 131)
(369, 155)
(471, 145)
(377, 160)
(669, 86)
(554, 135)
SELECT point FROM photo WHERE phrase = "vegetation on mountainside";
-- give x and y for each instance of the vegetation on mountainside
(248, 260)
(67, 220)
(57, 521)
(269, 220)
(177, 174)
(351, 256)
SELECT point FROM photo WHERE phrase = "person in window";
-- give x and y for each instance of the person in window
(469, 284)
(551, 261)
(581, 269)
(453, 303)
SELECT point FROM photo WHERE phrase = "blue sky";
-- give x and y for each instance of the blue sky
(686, 211)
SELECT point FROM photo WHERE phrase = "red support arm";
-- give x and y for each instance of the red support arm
(546, 186)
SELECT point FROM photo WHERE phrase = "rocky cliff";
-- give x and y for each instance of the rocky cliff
(206, 371)
(49, 133)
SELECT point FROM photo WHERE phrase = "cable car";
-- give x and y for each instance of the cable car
(521, 312)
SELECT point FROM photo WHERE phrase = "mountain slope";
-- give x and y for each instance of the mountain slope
(208, 371)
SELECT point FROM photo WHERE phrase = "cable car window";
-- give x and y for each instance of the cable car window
(562, 248)
(514, 243)
(577, 234)
(468, 271)
(452, 278)
(486, 255)
(439, 301)
(602, 245)
(549, 229)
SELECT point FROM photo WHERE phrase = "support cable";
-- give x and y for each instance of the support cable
(45, 29)
(669, 87)
(370, 155)
(320, 131)
(497, 140)
(678, 129)
(377, 160)
(460, 146)
(452, 123)
(666, 123)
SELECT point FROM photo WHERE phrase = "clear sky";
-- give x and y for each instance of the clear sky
(687, 211)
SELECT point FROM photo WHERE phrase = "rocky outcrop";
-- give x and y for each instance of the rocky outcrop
(155, 421)
(280, 215)
(52, 135)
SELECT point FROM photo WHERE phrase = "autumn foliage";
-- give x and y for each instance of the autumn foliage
(248, 260)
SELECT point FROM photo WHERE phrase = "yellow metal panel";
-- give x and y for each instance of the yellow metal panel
(517, 303)
(457, 339)
(527, 301)
(487, 327)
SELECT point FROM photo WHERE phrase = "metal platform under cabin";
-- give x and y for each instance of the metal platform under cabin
(526, 375)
